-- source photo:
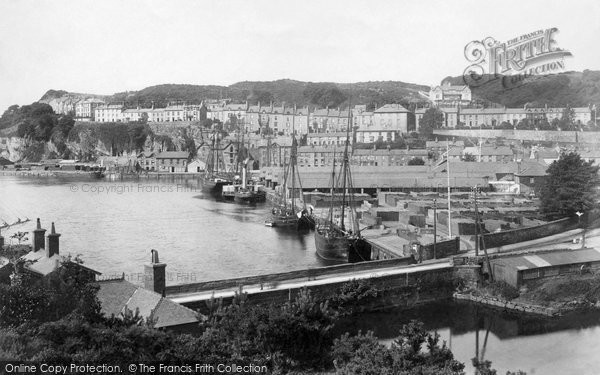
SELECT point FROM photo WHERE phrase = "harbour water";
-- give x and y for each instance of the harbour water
(113, 225)
(538, 346)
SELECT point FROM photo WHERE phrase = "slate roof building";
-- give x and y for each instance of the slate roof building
(523, 269)
(116, 296)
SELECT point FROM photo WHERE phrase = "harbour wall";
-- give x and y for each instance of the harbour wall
(526, 135)
(393, 290)
(271, 279)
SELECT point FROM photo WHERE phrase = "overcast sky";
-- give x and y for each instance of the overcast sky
(110, 46)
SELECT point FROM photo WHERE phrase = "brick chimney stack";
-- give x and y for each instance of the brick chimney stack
(155, 274)
(52, 243)
(38, 236)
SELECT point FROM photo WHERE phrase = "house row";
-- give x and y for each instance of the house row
(287, 120)
(476, 117)
(178, 112)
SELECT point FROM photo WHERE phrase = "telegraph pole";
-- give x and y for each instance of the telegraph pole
(434, 228)
(474, 191)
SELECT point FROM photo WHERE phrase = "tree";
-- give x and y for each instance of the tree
(432, 119)
(505, 125)
(524, 124)
(20, 236)
(567, 119)
(469, 157)
(364, 355)
(570, 186)
(416, 161)
(324, 95)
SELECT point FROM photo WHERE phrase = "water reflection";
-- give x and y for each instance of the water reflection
(114, 224)
(536, 345)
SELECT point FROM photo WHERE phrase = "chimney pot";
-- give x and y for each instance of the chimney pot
(52, 242)
(38, 236)
(155, 274)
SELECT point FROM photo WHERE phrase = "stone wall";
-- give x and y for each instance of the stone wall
(283, 276)
(527, 234)
(403, 290)
(443, 249)
(526, 135)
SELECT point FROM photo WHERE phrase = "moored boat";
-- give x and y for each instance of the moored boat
(288, 214)
(337, 237)
(213, 179)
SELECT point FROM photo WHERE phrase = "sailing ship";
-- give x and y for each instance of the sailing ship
(213, 179)
(289, 215)
(338, 238)
(241, 190)
(246, 193)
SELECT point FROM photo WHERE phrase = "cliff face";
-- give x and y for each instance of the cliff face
(12, 148)
(63, 102)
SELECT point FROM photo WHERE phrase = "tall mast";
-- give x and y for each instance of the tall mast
(332, 188)
(345, 168)
(293, 161)
(448, 173)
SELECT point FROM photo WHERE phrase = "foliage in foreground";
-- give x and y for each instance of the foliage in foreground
(364, 355)
(59, 321)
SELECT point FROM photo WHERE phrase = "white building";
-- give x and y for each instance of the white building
(109, 113)
(448, 94)
(391, 117)
(85, 109)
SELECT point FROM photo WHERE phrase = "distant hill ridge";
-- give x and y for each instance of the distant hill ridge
(577, 89)
(573, 88)
(280, 91)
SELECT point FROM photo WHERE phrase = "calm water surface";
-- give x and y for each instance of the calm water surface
(539, 346)
(115, 224)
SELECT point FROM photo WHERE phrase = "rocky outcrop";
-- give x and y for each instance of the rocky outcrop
(13, 148)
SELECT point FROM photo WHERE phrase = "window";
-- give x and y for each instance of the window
(532, 180)
(530, 274)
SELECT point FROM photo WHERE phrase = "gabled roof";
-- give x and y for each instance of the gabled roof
(323, 135)
(146, 154)
(391, 108)
(533, 168)
(551, 259)
(38, 262)
(173, 155)
(430, 144)
(116, 295)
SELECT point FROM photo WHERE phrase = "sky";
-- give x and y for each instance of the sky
(109, 46)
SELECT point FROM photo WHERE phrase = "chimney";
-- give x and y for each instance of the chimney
(52, 242)
(38, 236)
(1, 241)
(154, 274)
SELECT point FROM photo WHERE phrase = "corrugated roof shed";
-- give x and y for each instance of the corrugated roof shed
(555, 258)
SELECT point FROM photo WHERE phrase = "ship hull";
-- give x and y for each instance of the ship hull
(213, 187)
(332, 245)
(245, 197)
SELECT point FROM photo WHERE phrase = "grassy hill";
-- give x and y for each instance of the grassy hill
(283, 90)
(573, 88)
(577, 89)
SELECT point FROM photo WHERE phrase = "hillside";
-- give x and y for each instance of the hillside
(284, 90)
(577, 89)
(574, 88)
